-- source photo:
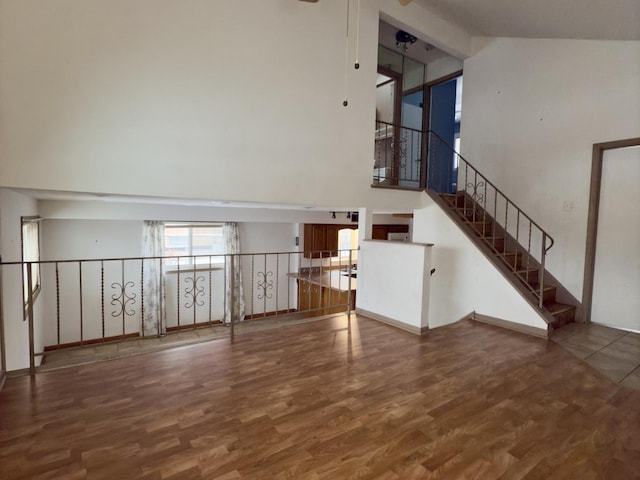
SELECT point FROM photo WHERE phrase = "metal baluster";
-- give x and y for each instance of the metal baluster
(80, 281)
(253, 310)
(518, 236)
(474, 201)
(264, 299)
(195, 290)
(102, 294)
(529, 249)
(57, 302)
(349, 287)
(288, 285)
(484, 201)
(178, 291)
(506, 223)
(224, 285)
(142, 296)
(232, 299)
(309, 282)
(277, 279)
(542, 268)
(123, 296)
(210, 292)
(495, 217)
(161, 320)
(32, 347)
(464, 191)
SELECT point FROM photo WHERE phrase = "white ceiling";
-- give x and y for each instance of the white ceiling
(578, 19)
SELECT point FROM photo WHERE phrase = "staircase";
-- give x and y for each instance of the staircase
(507, 236)
(506, 251)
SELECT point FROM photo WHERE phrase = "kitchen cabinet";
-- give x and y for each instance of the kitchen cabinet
(309, 296)
(381, 232)
(317, 299)
(321, 240)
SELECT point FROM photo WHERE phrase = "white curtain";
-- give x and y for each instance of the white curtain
(234, 295)
(154, 307)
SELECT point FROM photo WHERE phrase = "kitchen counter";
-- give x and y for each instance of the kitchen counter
(334, 279)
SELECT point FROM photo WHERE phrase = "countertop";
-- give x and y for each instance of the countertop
(334, 279)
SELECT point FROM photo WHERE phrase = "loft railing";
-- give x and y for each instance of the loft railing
(409, 158)
(399, 154)
(85, 302)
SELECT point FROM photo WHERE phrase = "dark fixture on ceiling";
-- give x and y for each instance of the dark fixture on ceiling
(404, 39)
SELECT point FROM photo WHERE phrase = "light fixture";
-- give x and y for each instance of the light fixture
(404, 39)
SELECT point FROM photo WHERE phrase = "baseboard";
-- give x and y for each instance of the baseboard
(393, 323)
(3, 379)
(516, 327)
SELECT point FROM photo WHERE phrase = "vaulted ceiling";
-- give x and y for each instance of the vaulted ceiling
(579, 19)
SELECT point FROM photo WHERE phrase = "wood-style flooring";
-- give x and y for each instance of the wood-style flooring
(320, 401)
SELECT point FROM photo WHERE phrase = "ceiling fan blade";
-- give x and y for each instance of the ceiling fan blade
(310, 1)
(405, 2)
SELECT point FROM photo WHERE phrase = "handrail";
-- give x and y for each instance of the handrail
(380, 122)
(434, 134)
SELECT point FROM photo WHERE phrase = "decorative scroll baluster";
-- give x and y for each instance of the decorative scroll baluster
(194, 293)
(265, 286)
(122, 299)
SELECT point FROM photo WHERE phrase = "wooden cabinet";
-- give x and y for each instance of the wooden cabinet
(381, 232)
(321, 240)
(319, 300)
(309, 296)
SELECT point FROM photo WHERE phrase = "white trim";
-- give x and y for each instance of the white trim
(516, 327)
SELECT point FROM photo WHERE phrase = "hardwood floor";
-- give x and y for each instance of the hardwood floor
(316, 401)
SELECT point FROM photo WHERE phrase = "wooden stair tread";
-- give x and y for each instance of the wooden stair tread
(555, 308)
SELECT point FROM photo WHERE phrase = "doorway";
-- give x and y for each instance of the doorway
(598, 157)
(616, 281)
(443, 119)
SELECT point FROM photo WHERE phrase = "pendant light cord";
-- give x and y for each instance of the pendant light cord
(346, 57)
(357, 64)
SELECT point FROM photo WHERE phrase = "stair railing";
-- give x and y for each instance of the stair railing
(512, 234)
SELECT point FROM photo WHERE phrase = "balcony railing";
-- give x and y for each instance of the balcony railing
(399, 156)
(88, 301)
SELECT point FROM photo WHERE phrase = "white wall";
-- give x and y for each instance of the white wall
(616, 287)
(465, 281)
(195, 99)
(393, 281)
(442, 67)
(532, 111)
(13, 206)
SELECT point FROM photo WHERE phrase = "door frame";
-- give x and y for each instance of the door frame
(426, 120)
(595, 188)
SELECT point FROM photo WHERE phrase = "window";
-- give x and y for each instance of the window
(195, 242)
(31, 253)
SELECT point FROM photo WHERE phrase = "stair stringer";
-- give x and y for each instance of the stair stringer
(466, 279)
